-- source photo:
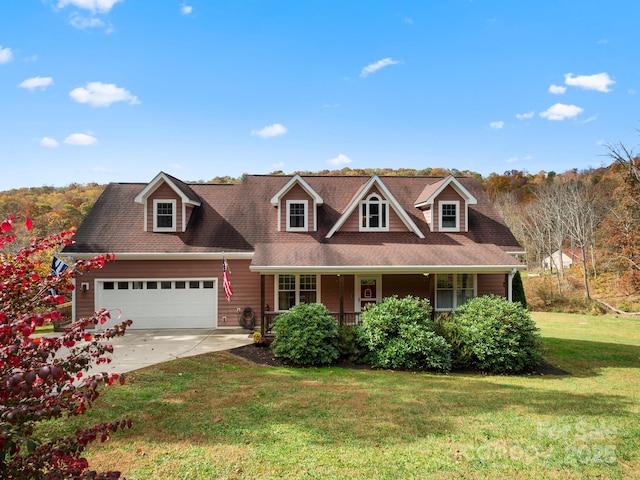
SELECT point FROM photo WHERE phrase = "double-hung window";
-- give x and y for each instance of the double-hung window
(374, 214)
(164, 215)
(296, 288)
(453, 290)
(449, 216)
(297, 215)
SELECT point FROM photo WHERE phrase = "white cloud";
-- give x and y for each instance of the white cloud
(524, 116)
(374, 67)
(512, 159)
(81, 139)
(102, 6)
(98, 94)
(341, 159)
(80, 22)
(557, 89)
(408, 20)
(36, 82)
(599, 81)
(6, 55)
(271, 131)
(497, 125)
(560, 111)
(49, 142)
(631, 91)
(186, 9)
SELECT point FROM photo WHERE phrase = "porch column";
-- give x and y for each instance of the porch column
(510, 285)
(341, 292)
(263, 327)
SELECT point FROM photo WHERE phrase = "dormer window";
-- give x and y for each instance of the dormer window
(297, 215)
(449, 216)
(164, 215)
(374, 214)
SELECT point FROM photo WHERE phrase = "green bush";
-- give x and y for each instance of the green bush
(492, 334)
(349, 343)
(306, 335)
(398, 333)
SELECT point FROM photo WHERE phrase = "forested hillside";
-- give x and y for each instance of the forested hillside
(593, 213)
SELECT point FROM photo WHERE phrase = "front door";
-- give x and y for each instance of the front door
(368, 290)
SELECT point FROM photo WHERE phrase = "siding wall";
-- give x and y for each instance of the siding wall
(245, 284)
(331, 292)
(402, 285)
(493, 283)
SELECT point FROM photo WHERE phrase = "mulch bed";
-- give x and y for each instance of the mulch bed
(263, 355)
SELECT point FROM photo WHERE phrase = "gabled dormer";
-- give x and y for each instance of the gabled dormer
(445, 205)
(168, 204)
(373, 208)
(297, 205)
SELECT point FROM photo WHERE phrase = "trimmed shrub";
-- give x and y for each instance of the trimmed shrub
(306, 335)
(518, 290)
(399, 333)
(350, 343)
(492, 334)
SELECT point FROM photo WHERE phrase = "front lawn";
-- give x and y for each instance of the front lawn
(218, 416)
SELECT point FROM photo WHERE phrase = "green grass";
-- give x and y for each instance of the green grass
(217, 416)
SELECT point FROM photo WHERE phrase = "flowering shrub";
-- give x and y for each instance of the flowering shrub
(45, 377)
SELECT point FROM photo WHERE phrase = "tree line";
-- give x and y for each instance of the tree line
(594, 212)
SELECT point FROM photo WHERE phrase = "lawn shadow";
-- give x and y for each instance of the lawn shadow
(582, 358)
(256, 404)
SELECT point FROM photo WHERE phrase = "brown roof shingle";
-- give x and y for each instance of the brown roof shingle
(239, 218)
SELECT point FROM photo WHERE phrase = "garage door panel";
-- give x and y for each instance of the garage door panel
(191, 307)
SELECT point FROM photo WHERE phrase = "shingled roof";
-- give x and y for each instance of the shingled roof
(240, 218)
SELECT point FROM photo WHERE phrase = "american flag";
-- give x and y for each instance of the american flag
(225, 280)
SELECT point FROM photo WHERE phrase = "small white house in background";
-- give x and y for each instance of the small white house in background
(565, 258)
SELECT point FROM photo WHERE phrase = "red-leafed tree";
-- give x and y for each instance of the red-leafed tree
(45, 377)
(622, 226)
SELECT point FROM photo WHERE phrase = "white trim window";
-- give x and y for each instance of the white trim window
(294, 289)
(297, 220)
(449, 216)
(374, 214)
(164, 215)
(454, 289)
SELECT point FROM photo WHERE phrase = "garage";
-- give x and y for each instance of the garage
(166, 303)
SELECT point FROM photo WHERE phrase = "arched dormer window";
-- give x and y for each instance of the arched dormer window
(374, 214)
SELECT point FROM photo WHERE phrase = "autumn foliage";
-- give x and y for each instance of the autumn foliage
(45, 377)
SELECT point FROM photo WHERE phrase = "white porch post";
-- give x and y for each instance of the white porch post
(510, 285)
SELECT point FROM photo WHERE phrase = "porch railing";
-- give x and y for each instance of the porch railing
(344, 318)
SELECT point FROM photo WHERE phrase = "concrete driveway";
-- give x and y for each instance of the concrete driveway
(141, 348)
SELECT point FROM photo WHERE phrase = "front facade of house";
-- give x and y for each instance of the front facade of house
(342, 241)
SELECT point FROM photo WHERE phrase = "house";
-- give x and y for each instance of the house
(344, 241)
(564, 258)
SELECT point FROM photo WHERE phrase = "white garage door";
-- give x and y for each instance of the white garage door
(170, 303)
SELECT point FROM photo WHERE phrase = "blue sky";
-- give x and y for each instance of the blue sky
(118, 90)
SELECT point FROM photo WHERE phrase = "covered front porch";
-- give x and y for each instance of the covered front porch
(346, 294)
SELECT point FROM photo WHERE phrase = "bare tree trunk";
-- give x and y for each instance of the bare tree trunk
(585, 279)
